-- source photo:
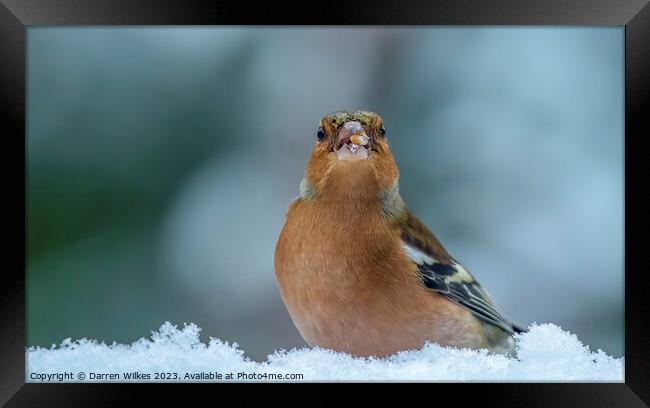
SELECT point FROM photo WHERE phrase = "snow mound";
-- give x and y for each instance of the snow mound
(545, 353)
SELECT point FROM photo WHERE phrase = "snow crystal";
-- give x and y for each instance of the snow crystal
(545, 353)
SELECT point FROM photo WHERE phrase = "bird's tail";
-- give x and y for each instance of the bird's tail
(518, 329)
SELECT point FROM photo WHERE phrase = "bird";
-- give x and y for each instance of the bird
(358, 272)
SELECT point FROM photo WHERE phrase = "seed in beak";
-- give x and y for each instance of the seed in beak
(360, 140)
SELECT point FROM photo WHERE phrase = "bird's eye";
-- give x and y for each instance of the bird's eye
(320, 134)
(382, 130)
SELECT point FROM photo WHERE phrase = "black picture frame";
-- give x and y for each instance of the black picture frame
(16, 16)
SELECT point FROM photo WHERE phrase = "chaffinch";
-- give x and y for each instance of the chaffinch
(358, 272)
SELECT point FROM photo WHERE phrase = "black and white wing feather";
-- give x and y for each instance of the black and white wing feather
(452, 280)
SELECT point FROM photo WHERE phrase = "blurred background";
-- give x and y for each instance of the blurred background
(161, 162)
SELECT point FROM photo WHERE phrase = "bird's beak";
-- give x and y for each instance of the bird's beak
(352, 142)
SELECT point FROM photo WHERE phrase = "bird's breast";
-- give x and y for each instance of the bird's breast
(334, 245)
(339, 271)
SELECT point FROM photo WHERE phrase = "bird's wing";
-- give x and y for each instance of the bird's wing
(443, 274)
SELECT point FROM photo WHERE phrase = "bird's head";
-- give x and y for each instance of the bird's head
(350, 155)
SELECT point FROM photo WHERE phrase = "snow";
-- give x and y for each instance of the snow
(545, 353)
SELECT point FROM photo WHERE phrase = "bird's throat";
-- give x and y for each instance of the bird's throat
(353, 186)
(351, 181)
